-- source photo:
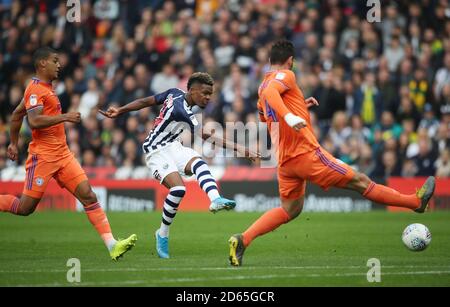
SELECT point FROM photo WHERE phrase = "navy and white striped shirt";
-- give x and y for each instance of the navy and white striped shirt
(174, 117)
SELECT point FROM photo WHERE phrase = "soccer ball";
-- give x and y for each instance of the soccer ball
(416, 237)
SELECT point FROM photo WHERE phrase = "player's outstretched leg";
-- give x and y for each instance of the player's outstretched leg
(83, 192)
(209, 185)
(237, 249)
(122, 246)
(417, 202)
(98, 219)
(269, 221)
(425, 193)
(23, 206)
(9, 203)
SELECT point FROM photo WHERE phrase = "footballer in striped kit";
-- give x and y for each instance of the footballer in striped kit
(167, 158)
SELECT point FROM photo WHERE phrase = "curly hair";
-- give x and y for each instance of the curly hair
(200, 77)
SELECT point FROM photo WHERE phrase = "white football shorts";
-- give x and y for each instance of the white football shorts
(170, 159)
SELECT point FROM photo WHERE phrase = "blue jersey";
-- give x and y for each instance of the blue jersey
(175, 116)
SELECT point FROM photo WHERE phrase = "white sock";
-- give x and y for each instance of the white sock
(164, 230)
(170, 208)
(110, 243)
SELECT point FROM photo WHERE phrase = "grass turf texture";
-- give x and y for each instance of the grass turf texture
(316, 249)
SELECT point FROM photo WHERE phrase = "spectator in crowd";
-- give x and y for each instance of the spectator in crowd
(443, 164)
(391, 79)
(389, 166)
(164, 80)
(425, 159)
(368, 101)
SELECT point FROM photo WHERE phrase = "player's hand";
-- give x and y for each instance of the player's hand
(13, 152)
(252, 156)
(311, 102)
(294, 121)
(73, 117)
(111, 112)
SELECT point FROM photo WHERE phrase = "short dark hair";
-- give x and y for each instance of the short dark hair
(281, 51)
(200, 77)
(41, 54)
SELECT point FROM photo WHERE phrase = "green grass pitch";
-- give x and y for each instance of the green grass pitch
(316, 249)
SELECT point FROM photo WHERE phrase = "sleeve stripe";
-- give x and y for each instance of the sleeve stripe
(34, 107)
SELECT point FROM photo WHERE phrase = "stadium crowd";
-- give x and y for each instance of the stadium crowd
(383, 87)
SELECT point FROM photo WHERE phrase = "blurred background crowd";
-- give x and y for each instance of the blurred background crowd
(383, 87)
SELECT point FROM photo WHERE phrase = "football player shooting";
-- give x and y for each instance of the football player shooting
(49, 156)
(301, 158)
(167, 158)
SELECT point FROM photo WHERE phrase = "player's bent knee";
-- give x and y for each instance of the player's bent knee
(25, 211)
(91, 197)
(293, 208)
(364, 180)
(359, 183)
(88, 198)
(295, 213)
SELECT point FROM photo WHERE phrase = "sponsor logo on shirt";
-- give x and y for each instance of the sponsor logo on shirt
(39, 181)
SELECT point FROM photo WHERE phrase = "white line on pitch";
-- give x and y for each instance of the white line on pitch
(224, 278)
(224, 268)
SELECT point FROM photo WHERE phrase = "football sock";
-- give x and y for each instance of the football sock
(269, 221)
(205, 179)
(170, 208)
(387, 196)
(98, 219)
(9, 203)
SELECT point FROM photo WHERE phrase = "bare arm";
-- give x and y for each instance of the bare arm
(311, 102)
(39, 121)
(135, 105)
(252, 156)
(16, 124)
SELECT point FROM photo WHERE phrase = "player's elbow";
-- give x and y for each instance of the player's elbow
(267, 92)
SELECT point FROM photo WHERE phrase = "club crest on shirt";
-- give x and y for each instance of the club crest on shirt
(39, 181)
(280, 76)
(33, 100)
